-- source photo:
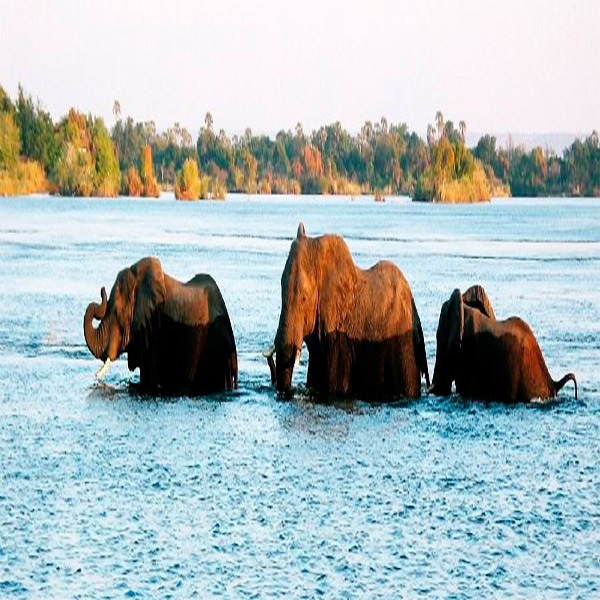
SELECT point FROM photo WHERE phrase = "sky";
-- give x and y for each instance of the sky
(501, 65)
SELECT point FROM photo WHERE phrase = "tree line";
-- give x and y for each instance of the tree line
(80, 156)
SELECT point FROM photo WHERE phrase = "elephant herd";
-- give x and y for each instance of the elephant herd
(361, 328)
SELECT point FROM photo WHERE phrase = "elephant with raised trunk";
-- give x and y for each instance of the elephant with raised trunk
(361, 327)
(489, 359)
(179, 335)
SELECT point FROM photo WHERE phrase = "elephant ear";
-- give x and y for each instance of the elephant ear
(337, 280)
(456, 322)
(476, 297)
(150, 292)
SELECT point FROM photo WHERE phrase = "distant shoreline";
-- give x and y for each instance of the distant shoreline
(80, 156)
(169, 196)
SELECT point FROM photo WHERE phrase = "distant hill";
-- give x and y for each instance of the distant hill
(555, 141)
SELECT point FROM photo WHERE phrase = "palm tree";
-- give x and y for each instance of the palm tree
(117, 110)
(439, 122)
(321, 138)
(430, 135)
(208, 121)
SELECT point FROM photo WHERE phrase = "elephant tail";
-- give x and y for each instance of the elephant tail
(419, 343)
(558, 385)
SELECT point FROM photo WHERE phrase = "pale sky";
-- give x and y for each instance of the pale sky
(501, 65)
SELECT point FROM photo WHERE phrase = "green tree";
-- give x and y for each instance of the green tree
(10, 142)
(74, 173)
(129, 138)
(108, 176)
(39, 141)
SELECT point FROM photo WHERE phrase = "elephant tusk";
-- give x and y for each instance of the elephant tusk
(272, 369)
(297, 361)
(268, 352)
(103, 369)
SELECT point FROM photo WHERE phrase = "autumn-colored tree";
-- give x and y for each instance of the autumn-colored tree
(297, 168)
(313, 163)
(150, 185)
(131, 184)
(250, 167)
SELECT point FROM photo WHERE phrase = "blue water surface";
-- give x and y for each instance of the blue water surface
(107, 493)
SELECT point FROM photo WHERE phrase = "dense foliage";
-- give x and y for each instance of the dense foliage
(79, 156)
(18, 175)
(453, 173)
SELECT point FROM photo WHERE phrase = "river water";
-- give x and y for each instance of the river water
(105, 492)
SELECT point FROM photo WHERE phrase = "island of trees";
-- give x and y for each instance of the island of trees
(79, 156)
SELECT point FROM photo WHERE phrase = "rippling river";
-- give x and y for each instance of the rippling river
(105, 492)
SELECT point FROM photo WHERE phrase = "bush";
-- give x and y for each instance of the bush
(27, 177)
(131, 183)
(218, 189)
(475, 188)
(264, 187)
(74, 172)
(187, 183)
(424, 190)
(345, 187)
(283, 185)
(32, 177)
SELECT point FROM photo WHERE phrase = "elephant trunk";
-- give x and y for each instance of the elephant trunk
(558, 385)
(441, 384)
(287, 360)
(281, 368)
(268, 354)
(96, 339)
(283, 374)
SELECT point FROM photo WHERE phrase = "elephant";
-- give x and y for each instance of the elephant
(489, 359)
(361, 327)
(179, 335)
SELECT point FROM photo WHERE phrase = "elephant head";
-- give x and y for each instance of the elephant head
(299, 294)
(136, 294)
(450, 332)
(449, 338)
(476, 297)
